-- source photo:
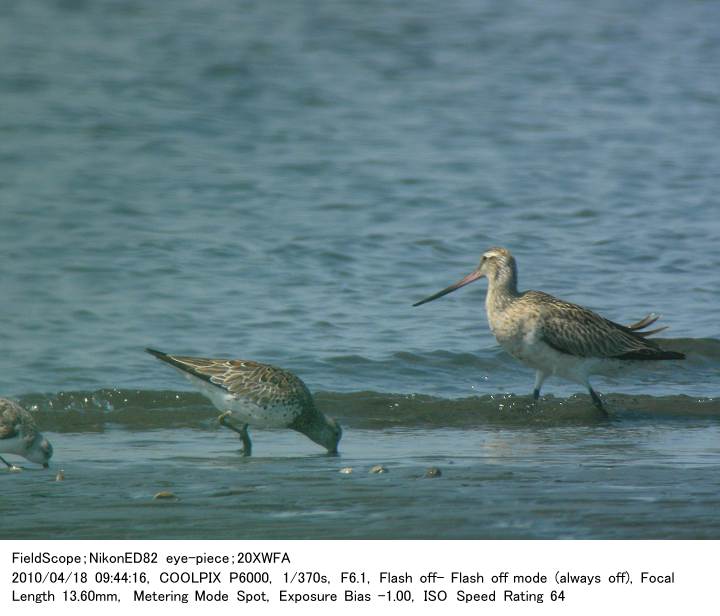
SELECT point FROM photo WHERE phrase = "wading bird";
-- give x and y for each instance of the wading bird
(556, 337)
(257, 395)
(19, 435)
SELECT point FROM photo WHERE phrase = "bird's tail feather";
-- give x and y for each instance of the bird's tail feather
(651, 332)
(651, 354)
(646, 321)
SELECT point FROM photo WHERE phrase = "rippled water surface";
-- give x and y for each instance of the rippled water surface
(280, 181)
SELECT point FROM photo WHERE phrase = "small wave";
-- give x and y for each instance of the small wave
(78, 410)
(700, 351)
(89, 411)
(380, 410)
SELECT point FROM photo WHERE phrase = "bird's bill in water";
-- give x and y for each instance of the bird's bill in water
(453, 287)
(46, 465)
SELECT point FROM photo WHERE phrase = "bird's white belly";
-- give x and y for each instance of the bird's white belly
(14, 445)
(270, 416)
(539, 355)
(244, 410)
(523, 346)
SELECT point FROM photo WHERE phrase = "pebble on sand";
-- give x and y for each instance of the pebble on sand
(165, 496)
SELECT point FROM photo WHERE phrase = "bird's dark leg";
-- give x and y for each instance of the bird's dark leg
(6, 462)
(540, 377)
(243, 432)
(247, 443)
(597, 401)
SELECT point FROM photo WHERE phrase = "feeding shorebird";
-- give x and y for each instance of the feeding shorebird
(259, 395)
(556, 337)
(19, 435)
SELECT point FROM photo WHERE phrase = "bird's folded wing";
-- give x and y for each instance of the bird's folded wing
(8, 430)
(11, 418)
(575, 330)
(260, 383)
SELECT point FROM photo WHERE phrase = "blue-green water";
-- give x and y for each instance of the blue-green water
(280, 181)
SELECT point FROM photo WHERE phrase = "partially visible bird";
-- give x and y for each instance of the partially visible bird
(19, 435)
(553, 336)
(257, 395)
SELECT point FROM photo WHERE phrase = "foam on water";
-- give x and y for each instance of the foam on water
(366, 410)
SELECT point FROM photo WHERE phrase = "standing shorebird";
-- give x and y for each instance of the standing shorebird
(19, 435)
(553, 336)
(258, 395)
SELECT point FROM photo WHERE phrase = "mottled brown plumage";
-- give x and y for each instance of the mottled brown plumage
(257, 394)
(19, 434)
(554, 336)
(261, 383)
(572, 329)
(15, 421)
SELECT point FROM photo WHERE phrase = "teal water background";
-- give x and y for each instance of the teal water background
(280, 181)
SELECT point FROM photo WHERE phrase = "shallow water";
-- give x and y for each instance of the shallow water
(280, 182)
